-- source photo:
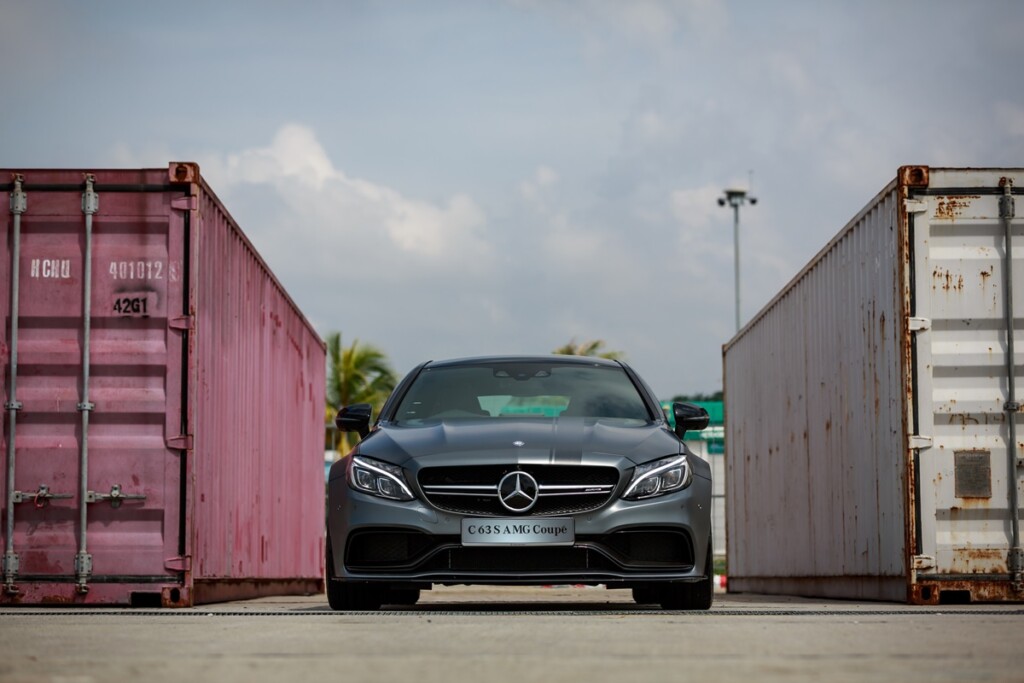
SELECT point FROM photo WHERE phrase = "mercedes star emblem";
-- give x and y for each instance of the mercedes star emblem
(518, 491)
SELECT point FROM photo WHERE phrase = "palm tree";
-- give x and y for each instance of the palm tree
(588, 348)
(359, 373)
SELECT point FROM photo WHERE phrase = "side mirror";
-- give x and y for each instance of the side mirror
(354, 418)
(689, 418)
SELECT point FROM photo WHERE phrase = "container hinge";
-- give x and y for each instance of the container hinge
(116, 496)
(919, 442)
(83, 569)
(919, 324)
(183, 322)
(11, 566)
(90, 200)
(182, 563)
(1006, 203)
(1015, 563)
(19, 200)
(922, 562)
(181, 443)
(40, 498)
(915, 205)
(186, 203)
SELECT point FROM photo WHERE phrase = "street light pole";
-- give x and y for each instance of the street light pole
(736, 198)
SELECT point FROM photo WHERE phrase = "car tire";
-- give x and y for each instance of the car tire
(692, 596)
(403, 596)
(646, 595)
(350, 595)
(354, 595)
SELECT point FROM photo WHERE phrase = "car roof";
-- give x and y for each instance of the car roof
(554, 358)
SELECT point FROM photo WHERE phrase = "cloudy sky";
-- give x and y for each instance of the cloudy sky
(453, 177)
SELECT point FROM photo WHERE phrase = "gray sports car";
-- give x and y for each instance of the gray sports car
(520, 470)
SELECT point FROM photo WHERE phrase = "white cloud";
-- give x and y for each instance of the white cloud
(434, 231)
(573, 195)
(294, 152)
(332, 213)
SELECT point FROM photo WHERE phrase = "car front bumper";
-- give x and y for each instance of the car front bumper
(623, 544)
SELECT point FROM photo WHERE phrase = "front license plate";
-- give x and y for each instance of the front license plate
(547, 531)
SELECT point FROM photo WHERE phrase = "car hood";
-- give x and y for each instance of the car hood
(559, 441)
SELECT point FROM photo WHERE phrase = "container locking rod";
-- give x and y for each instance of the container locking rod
(41, 497)
(1015, 558)
(83, 560)
(19, 204)
(116, 496)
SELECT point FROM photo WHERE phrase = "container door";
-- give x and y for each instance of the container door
(966, 464)
(90, 438)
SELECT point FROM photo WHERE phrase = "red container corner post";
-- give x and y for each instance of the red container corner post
(163, 399)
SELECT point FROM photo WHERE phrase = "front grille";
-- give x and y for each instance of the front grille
(563, 489)
(635, 550)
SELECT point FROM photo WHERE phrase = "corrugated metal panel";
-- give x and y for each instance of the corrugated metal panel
(965, 476)
(120, 276)
(813, 422)
(821, 435)
(252, 344)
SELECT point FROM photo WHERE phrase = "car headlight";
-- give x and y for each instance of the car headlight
(378, 478)
(659, 477)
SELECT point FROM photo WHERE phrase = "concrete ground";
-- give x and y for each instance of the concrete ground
(516, 634)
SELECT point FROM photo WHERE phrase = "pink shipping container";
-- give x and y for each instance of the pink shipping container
(873, 426)
(163, 398)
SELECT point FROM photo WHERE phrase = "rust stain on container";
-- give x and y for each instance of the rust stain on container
(951, 208)
(947, 280)
(928, 592)
(914, 176)
(183, 172)
(883, 512)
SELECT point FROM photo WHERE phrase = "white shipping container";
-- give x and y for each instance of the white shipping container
(869, 452)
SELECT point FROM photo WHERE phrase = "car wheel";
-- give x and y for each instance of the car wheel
(354, 595)
(645, 595)
(403, 596)
(350, 595)
(692, 596)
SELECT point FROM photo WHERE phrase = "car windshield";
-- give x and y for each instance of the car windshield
(517, 389)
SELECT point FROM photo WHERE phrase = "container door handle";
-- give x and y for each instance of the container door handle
(116, 496)
(40, 498)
